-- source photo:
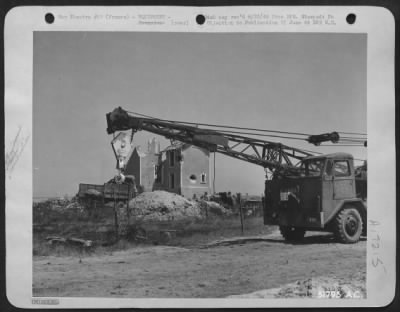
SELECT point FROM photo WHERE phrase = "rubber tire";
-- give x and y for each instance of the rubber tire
(364, 220)
(364, 227)
(291, 233)
(340, 230)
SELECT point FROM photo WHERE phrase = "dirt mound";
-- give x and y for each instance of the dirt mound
(163, 206)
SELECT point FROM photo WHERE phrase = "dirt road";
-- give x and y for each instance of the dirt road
(219, 270)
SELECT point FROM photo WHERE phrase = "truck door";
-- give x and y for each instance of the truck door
(327, 191)
(343, 181)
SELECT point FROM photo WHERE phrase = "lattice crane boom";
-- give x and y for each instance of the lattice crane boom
(270, 155)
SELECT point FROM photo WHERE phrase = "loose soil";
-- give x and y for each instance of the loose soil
(220, 269)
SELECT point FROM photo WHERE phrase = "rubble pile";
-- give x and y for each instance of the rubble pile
(165, 206)
(66, 215)
(211, 207)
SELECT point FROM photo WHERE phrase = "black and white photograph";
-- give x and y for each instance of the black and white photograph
(179, 165)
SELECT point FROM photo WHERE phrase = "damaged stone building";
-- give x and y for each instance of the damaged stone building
(142, 165)
(180, 168)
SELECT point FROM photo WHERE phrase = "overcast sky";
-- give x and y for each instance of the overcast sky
(311, 83)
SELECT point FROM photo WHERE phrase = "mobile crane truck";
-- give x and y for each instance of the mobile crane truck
(318, 193)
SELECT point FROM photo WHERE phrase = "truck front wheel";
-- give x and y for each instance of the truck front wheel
(291, 233)
(348, 226)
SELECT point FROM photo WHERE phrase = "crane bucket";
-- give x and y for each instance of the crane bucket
(122, 148)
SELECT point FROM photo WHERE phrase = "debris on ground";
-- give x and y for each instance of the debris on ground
(213, 208)
(55, 240)
(316, 287)
(274, 235)
(58, 204)
(74, 205)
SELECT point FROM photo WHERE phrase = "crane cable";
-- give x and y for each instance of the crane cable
(356, 133)
(244, 128)
(220, 126)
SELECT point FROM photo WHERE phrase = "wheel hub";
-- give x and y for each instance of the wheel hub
(351, 225)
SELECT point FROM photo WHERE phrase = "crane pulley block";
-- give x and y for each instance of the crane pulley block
(325, 137)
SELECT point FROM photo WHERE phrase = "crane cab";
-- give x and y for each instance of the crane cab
(321, 195)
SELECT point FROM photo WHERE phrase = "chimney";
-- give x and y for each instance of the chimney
(153, 146)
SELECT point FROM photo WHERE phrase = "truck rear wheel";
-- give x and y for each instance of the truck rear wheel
(348, 225)
(364, 230)
(291, 233)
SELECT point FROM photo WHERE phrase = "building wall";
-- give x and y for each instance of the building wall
(142, 165)
(133, 166)
(147, 178)
(168, 169)
(195, 164)
(189, 165)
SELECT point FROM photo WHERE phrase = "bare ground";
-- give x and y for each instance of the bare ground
(221, 269)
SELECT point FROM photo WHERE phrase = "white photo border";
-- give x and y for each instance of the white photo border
(378, 23)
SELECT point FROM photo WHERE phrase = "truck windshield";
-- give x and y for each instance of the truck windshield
(312, 167)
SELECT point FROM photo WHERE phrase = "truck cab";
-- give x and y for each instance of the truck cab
(321, 195)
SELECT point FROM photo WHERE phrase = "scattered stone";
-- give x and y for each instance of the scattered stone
(52, 240)
(203, 284)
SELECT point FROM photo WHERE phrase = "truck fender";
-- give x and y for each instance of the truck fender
(357, 202)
